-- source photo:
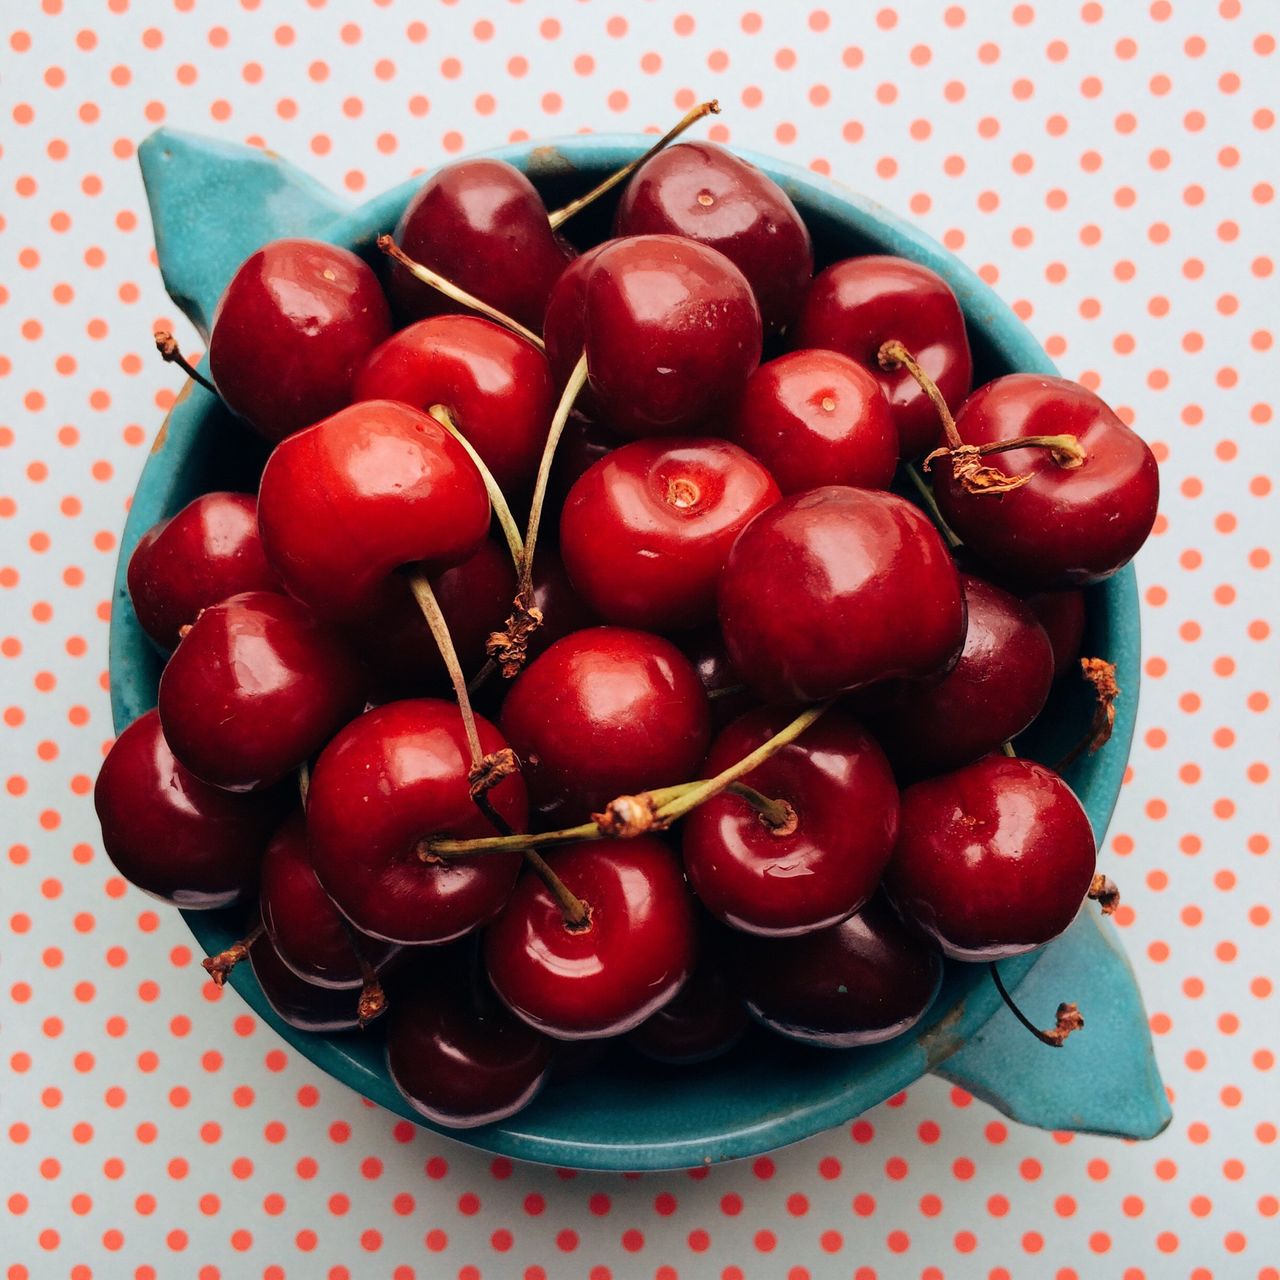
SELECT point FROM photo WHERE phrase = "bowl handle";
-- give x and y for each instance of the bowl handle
(213, 203)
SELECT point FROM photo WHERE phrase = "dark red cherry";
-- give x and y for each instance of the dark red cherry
(605, 712)
(455, 1051)
(496, 385)
(997, 687)
(993, 859)
(816, 418)
(482, 225)
(726, 690)
(377, 486)
(607, 978)
(861, 982)
(857, 305)
(820, 866)
(303, 1005)
(172, 835)
(581, 446)
(292, 328)
(564, 328)
(1061, 614)
(1067, 526)
(208, 551)
(702, 191)
(391, 779)
(835, 588)
(307, 931)
(257, 686)
(644, 534)
(563, 609)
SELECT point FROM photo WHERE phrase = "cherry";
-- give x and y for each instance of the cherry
(456, 1053)
(816, 418)
(818, 863)
(605, 712)
(564, 329)
(702, 191)
(294, 324)
(857, 305)
(1066, 525)
(582, 445)
(997, 687)
(1062, 615)
(256, 687)
(861, 982)
(482, 224)
(726, 691)
(377, 486)
(173, 836)
(208, 551)
(835, 588)
(388, 781)
(606, 978)
(644, 534)
(304, 1005)
(496, 385)
(993, 859)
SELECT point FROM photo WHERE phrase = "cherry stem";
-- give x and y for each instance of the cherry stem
(497, 498)
(1103, 891)
(171, 353)
(560, 216)
(577, 913)
(777, 815)
(931, 503)
(1007, 748)
(894, 353)
(1067, 1019)
(1102, 675)
(456, 292)
(219, 967)
(304, 783)
(1067, 450)
(373, 998)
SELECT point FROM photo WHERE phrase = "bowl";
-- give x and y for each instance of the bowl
(212, 204)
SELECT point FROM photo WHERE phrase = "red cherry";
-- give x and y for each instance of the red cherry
(607, 978)
(210, 550)
(1067, 526)
(821, 865)
(993, 859)
(391, 779)
(346, 502)
(857, 305)
(702, 191)
(456, 1053)
(835, 588)
(605, 712)
(816, 418)
(175, 837)
(564, 329)
(496, 385)
(644, 534)
(726, 690)
(563, 609)
(257, 686)
(581, 446)
(997, 687)
(303, 1005)
(861, 982)
(294, 324)
(1061, 614)
(482, 225)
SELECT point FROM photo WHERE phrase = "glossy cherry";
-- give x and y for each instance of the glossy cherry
(303, 1005)
(607, 978)
(482, 225)
(292, 328)
(826, 861)
(702, 191)
(377, 486)
(1067, 526)
(1062, 615)
(861, 982)
(605, 712)
(835, 588)
(208, 551)
(564, 328)
(997, 687)
(816, 418)
(645, 533)
(172, 835)
(993, 859)
(257, 686)
(496, 385)
(857, 305)
(391, 779)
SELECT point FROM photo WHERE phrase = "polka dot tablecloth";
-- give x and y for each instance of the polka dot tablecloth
(1109, 167)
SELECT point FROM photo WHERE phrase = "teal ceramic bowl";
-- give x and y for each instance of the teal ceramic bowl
(212, 204)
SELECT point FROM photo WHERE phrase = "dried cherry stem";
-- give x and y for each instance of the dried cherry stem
(171, 353)
(1067, 1019)
(497, 499)
(1102, 675)
(560, 216)
(1103, 891)
(219, 967)
(456, 292)
(304, 783)
(777, 815)
(373, 998)
(931, 505)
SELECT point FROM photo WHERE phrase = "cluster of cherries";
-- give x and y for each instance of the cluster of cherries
(754, 706)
